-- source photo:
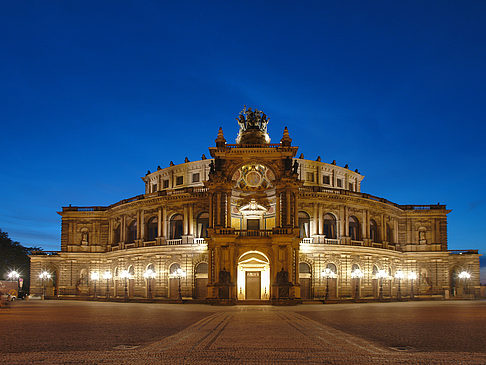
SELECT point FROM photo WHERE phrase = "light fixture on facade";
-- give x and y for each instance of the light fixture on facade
(399, 275)
(327, 273)
(107, 276)
(412, 276)
(95, 276)
(357, 274)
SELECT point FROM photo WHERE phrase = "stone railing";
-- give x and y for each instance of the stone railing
(323, 189)
(176, 241)
(199, 241)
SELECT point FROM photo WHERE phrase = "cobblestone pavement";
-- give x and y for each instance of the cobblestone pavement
(252, 334)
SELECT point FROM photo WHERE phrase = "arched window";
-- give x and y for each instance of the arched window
(304, 222)
(374, 231)
(375, 271)
(131, 271)
(332, 267)
(330, 226)
(354, 228)
(389, 233)
(116, 235)
(173, 268)
(132, 232)
(355, 267)
(152, 228)
(202, 222)
(304, 268)
(202, 268)
(176, 226)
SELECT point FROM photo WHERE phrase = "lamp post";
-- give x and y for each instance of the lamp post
(179, 274)
(125, 274)
(412, 276)
(399, 276)
(381, 274)
(328, 274)
(95, 276)
(465, 276)
(357, 274)
(44, 276)
(107, 276)
(14, 275)
(149, 274)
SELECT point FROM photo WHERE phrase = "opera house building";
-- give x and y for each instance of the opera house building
(255, 222)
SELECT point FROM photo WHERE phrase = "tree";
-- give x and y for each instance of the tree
(14, 256)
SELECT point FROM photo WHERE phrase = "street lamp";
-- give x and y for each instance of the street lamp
(107, 277)
(179, 274)
(95, 276)
(381, 274)
(149, 274)
(357, 274)
(14, 275)
(412, 276)
(464, 275)
(125, 274)
(399, 276)
(44, 276)
(328, 274)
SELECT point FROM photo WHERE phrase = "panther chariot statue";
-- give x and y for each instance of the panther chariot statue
(253, 127)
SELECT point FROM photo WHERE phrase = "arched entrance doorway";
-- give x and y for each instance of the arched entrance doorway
(305, 276)
(201, 281)
(253, 276)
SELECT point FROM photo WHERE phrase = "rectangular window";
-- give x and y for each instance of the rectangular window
(351, 186)
(154, 188)
(166, 184)
(195, 177)
(339, 183)
(310, 176)
(179, 180)
(326, 179)
(253, 224)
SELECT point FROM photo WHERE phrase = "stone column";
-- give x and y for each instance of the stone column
(142, 226)
(164, 223)
(287, 218)
(383, 228)
(211, 224)
(218, 209)
(277, 209)
(186, 221)
(110, 231)
(296, 209)
(321, 219)
(228, 209)
(315, 219)
(191, 219)
(159, 222)
(364, 225)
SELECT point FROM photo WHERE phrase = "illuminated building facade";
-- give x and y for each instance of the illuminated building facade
(255, 222)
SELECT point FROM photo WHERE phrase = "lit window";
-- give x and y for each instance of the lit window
(179, 180)
(195, 177)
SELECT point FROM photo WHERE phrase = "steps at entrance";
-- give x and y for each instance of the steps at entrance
(253, 302)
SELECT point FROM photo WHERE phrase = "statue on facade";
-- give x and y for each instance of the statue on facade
(224, 277)
(295, 167)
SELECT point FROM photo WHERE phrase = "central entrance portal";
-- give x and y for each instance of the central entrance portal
(253, 276)
(253, 285)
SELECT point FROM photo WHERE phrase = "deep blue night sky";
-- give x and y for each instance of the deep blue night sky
(95, 93)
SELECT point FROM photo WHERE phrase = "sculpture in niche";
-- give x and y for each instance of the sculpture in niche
(84, 236)
(422, 239)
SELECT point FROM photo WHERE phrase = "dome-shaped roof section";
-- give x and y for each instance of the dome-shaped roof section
(253, 127)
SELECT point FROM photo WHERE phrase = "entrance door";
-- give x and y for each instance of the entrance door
(253, 285)
(305, 288)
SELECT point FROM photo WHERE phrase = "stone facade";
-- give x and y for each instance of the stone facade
(255, 222)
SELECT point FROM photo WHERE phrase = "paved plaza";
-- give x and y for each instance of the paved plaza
(74, 332)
